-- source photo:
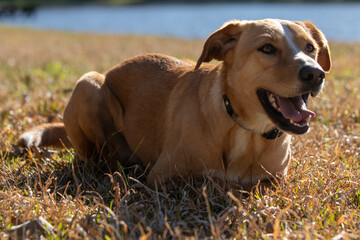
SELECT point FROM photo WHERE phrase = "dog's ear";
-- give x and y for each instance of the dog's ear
(324, 52)
(218, 44)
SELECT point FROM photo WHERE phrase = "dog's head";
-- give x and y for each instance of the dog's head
(270, 67)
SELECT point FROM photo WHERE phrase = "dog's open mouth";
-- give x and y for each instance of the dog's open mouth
(289, 114)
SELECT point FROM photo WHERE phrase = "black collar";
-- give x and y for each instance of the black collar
(270, 135)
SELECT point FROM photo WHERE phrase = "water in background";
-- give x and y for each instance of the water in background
(339, 22)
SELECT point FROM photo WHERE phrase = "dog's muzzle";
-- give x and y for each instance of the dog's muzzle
(291, 114)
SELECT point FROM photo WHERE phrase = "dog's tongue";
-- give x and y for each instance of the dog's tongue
(294, 108)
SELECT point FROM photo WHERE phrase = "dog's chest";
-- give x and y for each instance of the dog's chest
(251, 158)
(244, 150)
(242, 144)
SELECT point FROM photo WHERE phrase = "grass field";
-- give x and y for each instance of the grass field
(54, 196)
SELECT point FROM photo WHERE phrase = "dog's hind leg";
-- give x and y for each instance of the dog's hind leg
(82, 118)
(82, 124)
(93, 121)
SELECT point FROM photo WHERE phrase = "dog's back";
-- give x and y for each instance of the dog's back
(140, 84)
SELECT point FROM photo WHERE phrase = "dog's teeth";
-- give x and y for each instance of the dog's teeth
(271, 98)
(308, 119)
(302, 124)
(273, 101)
(274, 105)
(291, 121)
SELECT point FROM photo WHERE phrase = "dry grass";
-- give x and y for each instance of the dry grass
(56, 198)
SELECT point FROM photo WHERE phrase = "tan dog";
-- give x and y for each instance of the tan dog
(231, 121)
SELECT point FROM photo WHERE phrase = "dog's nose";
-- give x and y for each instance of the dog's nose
(312, 75)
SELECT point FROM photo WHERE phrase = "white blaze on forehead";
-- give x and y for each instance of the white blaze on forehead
(299, 55)
(282, 28)
(289, 38)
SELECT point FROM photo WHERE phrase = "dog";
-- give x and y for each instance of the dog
(232, 121)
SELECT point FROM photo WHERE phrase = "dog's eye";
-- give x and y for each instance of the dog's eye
(309, 48)
(268, 49)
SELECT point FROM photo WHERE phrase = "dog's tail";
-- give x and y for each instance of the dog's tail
(46, 135)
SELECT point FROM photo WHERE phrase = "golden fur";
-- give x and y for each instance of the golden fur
(173, 114)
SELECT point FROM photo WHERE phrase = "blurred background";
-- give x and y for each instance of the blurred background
(338, 19)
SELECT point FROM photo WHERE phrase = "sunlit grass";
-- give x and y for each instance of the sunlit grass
(54, 196)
